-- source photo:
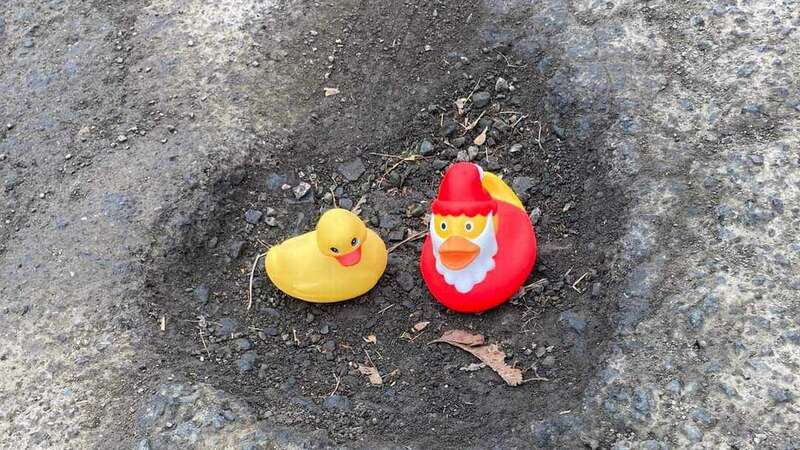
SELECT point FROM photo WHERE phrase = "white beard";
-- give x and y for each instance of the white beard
(465, 279)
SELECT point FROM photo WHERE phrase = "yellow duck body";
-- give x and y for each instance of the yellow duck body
(341, 259)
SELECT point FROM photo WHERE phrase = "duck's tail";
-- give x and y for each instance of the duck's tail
(499, 190)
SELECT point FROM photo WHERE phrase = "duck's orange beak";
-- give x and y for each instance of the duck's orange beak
(351, 258)
(457, 252)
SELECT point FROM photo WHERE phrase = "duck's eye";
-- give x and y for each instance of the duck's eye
(354, 242)
(468, 226)
(334, 250)
(443, 226)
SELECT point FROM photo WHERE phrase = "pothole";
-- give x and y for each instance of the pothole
(286, 358)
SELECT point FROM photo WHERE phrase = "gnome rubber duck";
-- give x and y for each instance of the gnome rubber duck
(481, 246)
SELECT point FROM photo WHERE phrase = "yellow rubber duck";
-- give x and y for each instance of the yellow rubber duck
(340, 260)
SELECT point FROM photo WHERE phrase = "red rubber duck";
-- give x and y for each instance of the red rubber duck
(481, 246)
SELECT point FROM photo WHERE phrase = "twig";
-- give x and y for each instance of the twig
(333, 197)
(537, 377)
(417, 335)
(386, 155)
(411, 158)
(519, 120)
(370, 359)
(252, 272)
(539, 139)
(357, 208)
(472, 125)
(413, 237)
(336, 388)
(385, 309)
(508, 63)
(578, 281)
(476, 84)
(535, 283)
(203, 339)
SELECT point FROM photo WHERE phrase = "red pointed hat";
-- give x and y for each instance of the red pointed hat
(462, 192)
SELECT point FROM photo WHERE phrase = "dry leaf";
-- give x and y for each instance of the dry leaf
(331, 91)
(481, 138)
(372, 373)
(371, 339)
(489, 354)
(419, 326)
(461, 337)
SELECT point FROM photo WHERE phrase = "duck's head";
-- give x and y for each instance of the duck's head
(340, 235)
(463, 227)
(462, 238)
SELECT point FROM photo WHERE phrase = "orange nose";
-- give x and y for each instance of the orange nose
(457, 252)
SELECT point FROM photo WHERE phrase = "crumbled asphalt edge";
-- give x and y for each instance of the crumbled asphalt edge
(708, 331)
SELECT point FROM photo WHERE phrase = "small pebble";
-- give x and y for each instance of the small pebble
(426, 148)
(329, 346)
(535, 215)
(201, 293)
(501, 85)
(353, 169)
(253, 216)
(339, 402)
(247, 361)
(271, 331)
(235, 249)
(345, 203)
(481, 99)
(301, 190)
(243, 344)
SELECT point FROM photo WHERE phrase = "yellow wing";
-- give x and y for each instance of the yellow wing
(499, 190)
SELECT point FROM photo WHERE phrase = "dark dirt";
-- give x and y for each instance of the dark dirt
(301, 352)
